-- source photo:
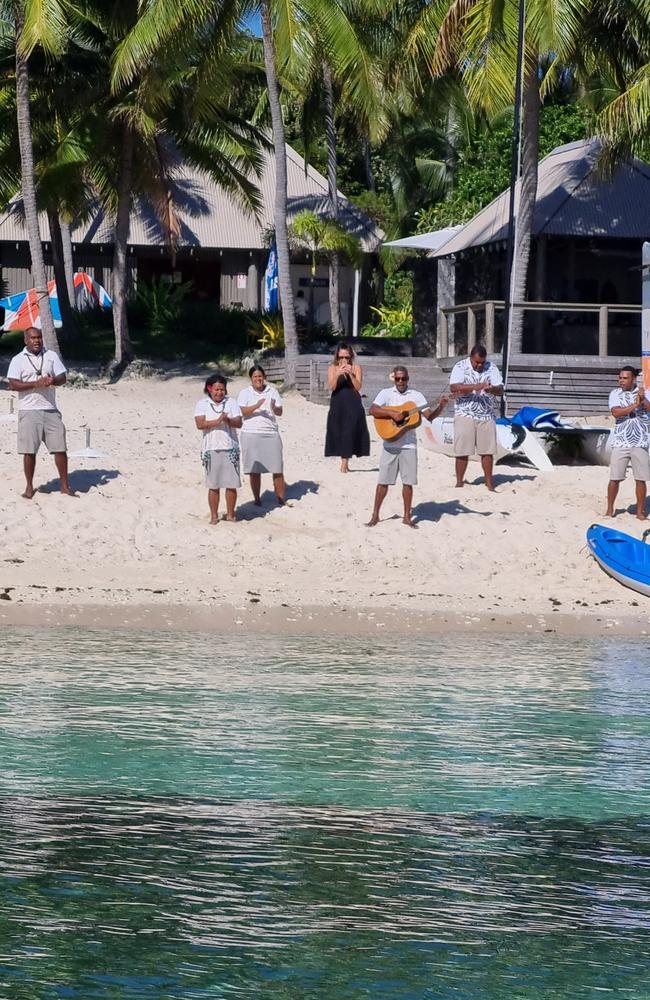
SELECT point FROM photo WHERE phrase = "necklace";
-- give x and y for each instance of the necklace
(39, 371)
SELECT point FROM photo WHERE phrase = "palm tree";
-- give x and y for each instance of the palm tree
(325, 238)
(169, 104)
(35, 26)
(477, 40)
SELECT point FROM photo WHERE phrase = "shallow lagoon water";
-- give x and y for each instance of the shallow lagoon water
(186, 816)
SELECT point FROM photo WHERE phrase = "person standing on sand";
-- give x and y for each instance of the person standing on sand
(400, 455)
(219, 417)
(261, 444)
(347, 428)
(34, 375)
(474, 382)
(630, 440)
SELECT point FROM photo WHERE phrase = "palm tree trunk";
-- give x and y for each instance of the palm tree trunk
(65, 306)
(371, 184)
(123, 348)
(23, 119)
(332, 184)
(527, 197)
(68, 261)
(281, 235)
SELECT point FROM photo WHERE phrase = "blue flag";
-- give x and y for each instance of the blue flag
(271, 298)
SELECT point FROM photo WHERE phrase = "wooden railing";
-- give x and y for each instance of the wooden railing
(490, 307)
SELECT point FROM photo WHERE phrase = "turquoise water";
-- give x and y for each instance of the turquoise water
(187, 816)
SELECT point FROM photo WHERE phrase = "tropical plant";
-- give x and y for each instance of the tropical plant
(392, 322)
(478, 40)
(161, 303)
(36, 24)
(267, 332)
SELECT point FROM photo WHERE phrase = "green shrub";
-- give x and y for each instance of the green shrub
(161, 304)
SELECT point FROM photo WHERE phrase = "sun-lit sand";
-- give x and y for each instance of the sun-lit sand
(137, 541)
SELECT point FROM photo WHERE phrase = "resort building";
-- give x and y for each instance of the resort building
(221, 248)
(588, 233)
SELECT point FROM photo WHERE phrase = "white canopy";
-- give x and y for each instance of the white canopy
(425, 241)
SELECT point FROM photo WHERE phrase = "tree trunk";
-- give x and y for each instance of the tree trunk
(527, 197)
(332, 185)
(280, 213)
(425, 307)
(367, 165)
(65, 306)
(123, 348)
(68, 261)
(23, 119)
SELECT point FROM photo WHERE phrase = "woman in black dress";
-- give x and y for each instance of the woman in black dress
(347, 430)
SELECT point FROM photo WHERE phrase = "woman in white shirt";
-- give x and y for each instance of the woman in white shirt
(218, 417)
(261, 443)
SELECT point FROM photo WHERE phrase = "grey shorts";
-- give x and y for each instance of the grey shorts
(404, 462)
(474, 437)
(261, 453)
(221, 471)
(638, 458)
(35, 426)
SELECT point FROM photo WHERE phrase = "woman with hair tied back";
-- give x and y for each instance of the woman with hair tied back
(219, 417)
(261, 443)
(347, 429)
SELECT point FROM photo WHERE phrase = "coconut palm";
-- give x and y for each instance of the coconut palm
(36, 24)
(323, 238)
(477, 39)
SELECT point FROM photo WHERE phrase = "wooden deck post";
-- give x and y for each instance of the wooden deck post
(603, 330)
(489, 327)
(443, 334)
(471, 328)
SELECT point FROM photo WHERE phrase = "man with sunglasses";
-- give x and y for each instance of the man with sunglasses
(400, 456)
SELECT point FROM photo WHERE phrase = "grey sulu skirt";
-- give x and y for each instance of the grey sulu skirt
(261, 453)
(222, 469)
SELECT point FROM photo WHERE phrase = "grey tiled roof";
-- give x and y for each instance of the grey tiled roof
(573, 199)
(210, 217)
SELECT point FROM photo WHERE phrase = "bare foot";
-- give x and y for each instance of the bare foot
(258, 503)
(372, 522)
(458, 485)
(344, 465)
(642, 516)
(214, 520)
(68, 492)
(490, 489)
(29, 493)
(409, 522)
(281, 501)
(231, 519)
(610, 513)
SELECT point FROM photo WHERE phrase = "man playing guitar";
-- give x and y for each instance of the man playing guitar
(399, 456)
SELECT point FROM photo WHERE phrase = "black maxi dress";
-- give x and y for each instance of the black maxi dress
(347, 430)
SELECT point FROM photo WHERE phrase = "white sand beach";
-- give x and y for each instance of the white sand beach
(136, 547)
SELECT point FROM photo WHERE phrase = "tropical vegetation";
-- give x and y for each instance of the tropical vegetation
(407, 106)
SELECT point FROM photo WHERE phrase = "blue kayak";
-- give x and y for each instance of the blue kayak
(624, 557)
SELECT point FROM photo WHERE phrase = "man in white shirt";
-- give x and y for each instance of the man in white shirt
(474, 382)
(34, 374)
(400, 456)
(630, 440)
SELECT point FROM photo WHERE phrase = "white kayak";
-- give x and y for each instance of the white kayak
(438, 436)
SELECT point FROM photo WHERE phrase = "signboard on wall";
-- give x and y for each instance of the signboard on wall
(314, 282)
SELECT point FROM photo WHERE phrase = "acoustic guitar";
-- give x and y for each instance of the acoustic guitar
(390, 428)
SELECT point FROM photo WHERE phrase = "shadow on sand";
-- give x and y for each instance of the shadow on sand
(81, 480)
(293, 491)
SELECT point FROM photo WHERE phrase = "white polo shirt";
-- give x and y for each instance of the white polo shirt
(263, 421)
(393, 397)
(218, 438)
(28, 367)
(477, 405)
